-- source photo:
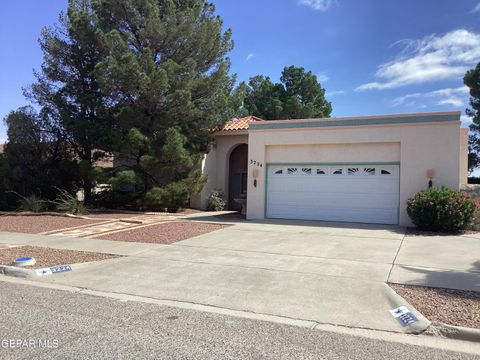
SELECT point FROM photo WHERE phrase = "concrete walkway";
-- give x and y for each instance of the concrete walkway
(439, 261)
(327, 273)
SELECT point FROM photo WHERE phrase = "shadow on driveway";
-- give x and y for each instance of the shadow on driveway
(450, 279)
(237, 218)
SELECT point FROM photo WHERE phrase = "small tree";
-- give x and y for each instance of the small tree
(472, 80)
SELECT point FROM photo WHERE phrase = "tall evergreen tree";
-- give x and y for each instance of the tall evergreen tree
(472, 80)
(167, 79)
(73, 107)
(298, 95)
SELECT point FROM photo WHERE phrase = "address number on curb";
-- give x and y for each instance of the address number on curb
(403, 316)
(53, 270)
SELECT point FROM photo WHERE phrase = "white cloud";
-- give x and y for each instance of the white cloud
(476, 9)
(453, 101)
(402, 100)
(249, 57)
(466, 120)
(320, 5)
(322, 77)
(456, 97)
(334, 93)
(429, 59)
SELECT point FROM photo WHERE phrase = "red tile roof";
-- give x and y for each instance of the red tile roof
(240, 124)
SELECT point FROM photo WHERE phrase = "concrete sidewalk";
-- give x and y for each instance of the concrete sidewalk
(439, 261)
(81, 244)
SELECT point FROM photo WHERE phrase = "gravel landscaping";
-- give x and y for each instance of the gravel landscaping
(47, 257)
(40, 223)
(164, 233)
(449, 306)
(112, 215)
(416, 232)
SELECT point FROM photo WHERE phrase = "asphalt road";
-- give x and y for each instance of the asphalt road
(70, 325)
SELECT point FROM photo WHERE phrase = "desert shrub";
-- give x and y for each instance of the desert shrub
(68, 203)
(216, 201)
(442, 209)
(31, 203)
(170, 197)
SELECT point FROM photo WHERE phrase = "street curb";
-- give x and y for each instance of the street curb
(17, 271)
(417, 327)
(454, 332)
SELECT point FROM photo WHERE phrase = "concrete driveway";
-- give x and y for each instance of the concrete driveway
(325, 273)
(321, 272)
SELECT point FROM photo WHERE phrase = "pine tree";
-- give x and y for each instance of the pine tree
(472, 80)
(299, 95)
(72, 105)
(167, 78)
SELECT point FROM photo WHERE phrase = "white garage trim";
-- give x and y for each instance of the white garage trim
(284, 198)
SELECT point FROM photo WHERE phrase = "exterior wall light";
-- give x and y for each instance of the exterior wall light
(255, 176)
(430, 177)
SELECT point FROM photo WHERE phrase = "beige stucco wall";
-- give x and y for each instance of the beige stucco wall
(321, 153)
(418, 147)
(215, 166)
(463, 156)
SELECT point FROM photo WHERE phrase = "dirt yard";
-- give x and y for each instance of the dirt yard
(164, 233)
(449, 306)
(47, 257)
(35, 224)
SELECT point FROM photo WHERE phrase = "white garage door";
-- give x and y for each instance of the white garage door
(353, 193)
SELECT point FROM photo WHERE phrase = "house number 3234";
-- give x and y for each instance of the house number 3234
(256, 163)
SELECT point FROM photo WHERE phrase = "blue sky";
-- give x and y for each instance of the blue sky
(372, 56)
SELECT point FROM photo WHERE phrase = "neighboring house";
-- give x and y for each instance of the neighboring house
(356, 169)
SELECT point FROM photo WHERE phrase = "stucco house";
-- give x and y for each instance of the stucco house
(356, 169)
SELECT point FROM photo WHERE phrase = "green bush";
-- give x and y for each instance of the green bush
(111, 199)
(171, 197)
(124, 181)
(442, 209)
(216, 202)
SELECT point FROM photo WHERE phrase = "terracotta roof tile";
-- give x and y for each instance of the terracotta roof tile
(240, 124)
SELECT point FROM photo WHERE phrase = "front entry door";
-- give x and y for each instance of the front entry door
(237, 189)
